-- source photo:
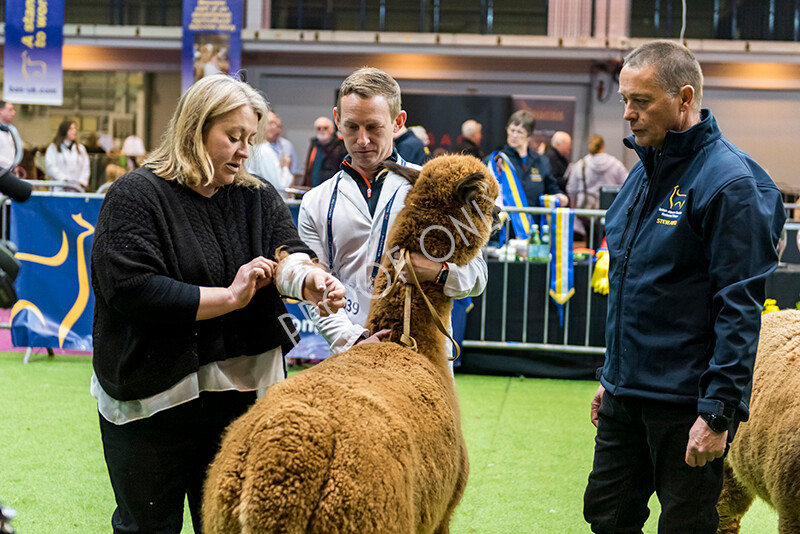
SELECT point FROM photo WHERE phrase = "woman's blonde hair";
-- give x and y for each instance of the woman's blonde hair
(182, 155)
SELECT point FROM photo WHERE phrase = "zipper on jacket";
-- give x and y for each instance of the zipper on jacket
(629, 246)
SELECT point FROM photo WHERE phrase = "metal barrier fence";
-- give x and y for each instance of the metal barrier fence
(594, 234)
(595, 219)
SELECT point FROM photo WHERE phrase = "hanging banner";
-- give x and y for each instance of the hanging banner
(54, 236)
(32, 70)
(212, 39)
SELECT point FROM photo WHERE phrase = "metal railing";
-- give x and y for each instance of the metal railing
(594, 218)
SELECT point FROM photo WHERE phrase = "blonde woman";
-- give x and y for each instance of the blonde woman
(189, 323)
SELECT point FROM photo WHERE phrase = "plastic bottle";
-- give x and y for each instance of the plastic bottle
(544, 253)
(534, 245)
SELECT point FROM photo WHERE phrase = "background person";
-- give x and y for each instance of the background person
(410, 147)
(471, 137)
(66, 160)
(559, 153)
(188, 322)
(422, 135)
(265, 163)
(692, 237)
(589, 174)
(282, 146)
(531, 169)
(345, 221)
(593, 171)
(7, 147)
(326, 152)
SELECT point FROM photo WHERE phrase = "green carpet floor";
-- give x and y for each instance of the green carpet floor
(530, 445)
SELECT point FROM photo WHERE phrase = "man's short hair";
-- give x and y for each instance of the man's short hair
(470, 127)
(523, 118)
(367, 82)
(675, 66)
(559, 138)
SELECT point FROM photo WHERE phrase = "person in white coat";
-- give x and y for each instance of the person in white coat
(345, 220)
(265, 162)
(66, 160)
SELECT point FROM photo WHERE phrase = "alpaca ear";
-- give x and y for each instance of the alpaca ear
(468, 187)
(406, 172)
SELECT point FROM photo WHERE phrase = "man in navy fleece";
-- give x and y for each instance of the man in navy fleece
(692, 238)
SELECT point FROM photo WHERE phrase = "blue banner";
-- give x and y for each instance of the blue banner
(54, 236)
(212, 39)
(32, 70)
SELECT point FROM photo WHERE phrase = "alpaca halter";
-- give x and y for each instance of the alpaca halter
(405, 338)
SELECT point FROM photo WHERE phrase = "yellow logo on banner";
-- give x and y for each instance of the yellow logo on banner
(82, 299)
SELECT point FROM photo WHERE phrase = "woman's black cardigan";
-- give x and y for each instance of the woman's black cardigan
(156, 243)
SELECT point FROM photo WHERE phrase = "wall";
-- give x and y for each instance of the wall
(758, 113)
(164, 94)
(763, 122)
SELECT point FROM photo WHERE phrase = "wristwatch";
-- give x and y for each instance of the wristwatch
(717, 423)
(441, 278)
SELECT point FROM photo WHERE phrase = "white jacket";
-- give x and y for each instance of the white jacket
(356, 236)
(263, 162)
(68, 165)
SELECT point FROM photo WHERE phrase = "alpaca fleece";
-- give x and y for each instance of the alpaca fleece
(369, 440)
(764, 458)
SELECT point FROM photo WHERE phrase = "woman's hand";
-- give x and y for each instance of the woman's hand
(251, 277)
(324, 291)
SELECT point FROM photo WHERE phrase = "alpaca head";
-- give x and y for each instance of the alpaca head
(450, 212)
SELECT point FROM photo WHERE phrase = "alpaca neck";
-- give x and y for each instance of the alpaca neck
(390, 313)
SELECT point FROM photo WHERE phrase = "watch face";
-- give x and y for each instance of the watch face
(719, 423)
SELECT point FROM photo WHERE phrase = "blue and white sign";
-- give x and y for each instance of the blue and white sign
(212, 39)
(33, 52)
(54, 236)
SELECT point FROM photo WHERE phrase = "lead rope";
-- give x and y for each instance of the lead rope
(434, 315)
(406, 338)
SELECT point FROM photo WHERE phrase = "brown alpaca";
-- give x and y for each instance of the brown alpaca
(764, 458)
(369, 440)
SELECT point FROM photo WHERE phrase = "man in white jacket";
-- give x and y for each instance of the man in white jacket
(266, 163)
(345, 220)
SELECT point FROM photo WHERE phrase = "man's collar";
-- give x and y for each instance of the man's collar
(347, 167)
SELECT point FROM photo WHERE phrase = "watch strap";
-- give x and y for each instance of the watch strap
(444, 272)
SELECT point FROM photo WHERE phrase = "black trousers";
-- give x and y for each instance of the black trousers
(640, 448)
(155, 463)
